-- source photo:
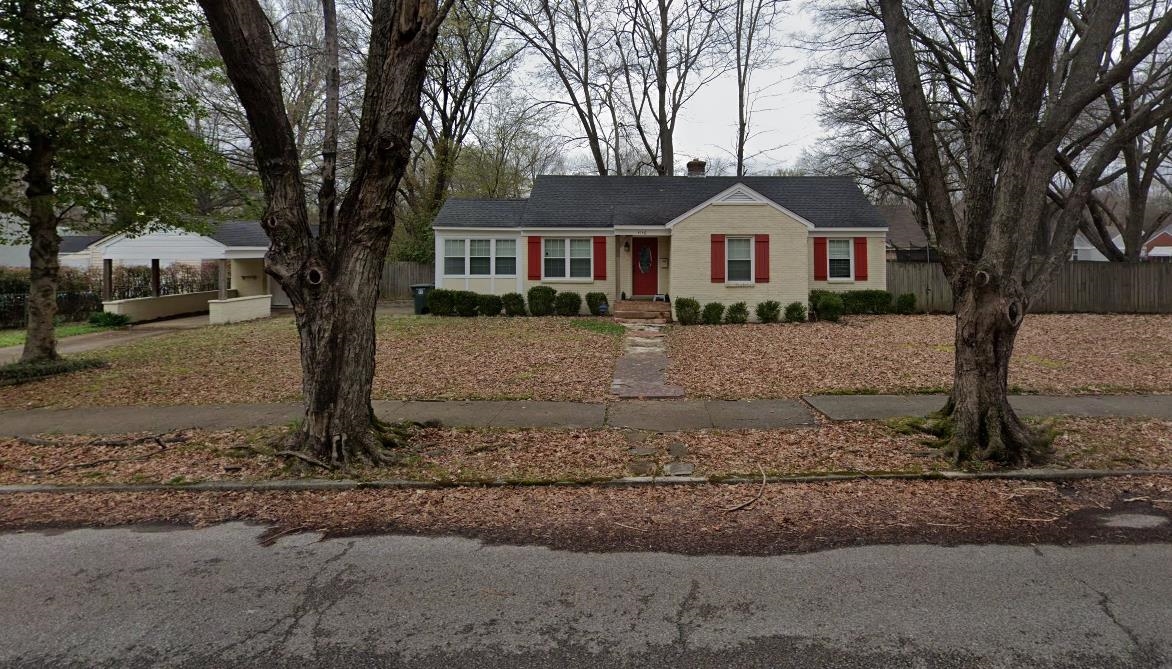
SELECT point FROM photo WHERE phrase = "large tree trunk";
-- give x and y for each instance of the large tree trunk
(336, 322)
(983, 424)
(41, 341)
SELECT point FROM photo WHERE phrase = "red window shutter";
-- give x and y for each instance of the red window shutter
(600, 258)
(534, 258)
(821, 263)
(761, 258)
(717, 258)
(860, 258)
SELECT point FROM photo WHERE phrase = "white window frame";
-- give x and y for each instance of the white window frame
(492, 257)
(850, 244)
(752, 261)
(446, 256)
(468, 262)
(566, 278)
(496, 255)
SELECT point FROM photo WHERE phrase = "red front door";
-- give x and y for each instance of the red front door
(645, 256)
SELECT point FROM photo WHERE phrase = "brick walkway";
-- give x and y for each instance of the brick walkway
(641, 371)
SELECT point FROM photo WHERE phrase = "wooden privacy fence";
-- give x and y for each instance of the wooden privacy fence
(1090, 287)
(398, 276)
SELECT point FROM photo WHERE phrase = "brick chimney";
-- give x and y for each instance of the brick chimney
(696, 167)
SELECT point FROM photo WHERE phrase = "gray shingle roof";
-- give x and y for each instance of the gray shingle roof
(75, 243)
(903, 232)
(460, 213)
(604, 202)
(240, 233)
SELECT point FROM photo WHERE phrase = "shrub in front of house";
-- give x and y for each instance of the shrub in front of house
(514, 304)
(905, 304)
(712, 314)
(687, 311)
(567, 304)
(489, 305)
(795, 312)
(594, 302)
(828, 307)
(866, 302)
(737, 313)
(541, 300)
(441, 302)
(465, 302)
(769, 311)
(105, 319)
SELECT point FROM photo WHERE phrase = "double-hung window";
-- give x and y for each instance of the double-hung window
(568, 258)
(454, 257)
(739, 256)
(479, 257)
(506, 257)
(839, 258)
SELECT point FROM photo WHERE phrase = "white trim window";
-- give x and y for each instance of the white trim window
(479, 257)
(738, 259)
(840, 259)
(505, 260)
(578, 263)
(454, 257)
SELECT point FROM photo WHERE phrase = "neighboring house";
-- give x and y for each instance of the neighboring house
(1159, 247)
(906, 241)
(78, 251)
(71, 253)
(714, 239)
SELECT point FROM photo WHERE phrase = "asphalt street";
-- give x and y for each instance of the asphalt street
(216, 597)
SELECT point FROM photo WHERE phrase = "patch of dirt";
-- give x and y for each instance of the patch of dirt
(1054, 354)
(680, 519)
(416, 358)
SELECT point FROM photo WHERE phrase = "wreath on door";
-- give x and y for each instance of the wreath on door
(645, 260)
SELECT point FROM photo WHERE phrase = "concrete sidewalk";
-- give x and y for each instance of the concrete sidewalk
(878, 407)
(641, 415)
(658, 416)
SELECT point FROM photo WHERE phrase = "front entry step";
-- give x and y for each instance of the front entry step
(642, 310)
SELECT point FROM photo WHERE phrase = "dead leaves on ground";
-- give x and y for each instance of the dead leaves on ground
(445, 455)
(1055, 353)
(417, 358)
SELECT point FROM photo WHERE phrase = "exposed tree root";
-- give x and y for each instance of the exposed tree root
(996, 436)
(382, 444)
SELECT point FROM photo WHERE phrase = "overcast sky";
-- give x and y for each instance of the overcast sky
(785, 118)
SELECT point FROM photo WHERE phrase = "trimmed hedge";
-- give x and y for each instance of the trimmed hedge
(737, 313)
(687, 311)
(541, 300)
(514, 304)
(489, 305)
(441, 302)
(866, 302)
(713, 313)
(795, 312)
(567, 304)
(905, 304)
(106, 319)
(828, 307)
(769, 311)
(594, 302)
(465, 302)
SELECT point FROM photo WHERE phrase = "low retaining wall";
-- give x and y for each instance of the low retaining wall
(239, 309)
(141, 309)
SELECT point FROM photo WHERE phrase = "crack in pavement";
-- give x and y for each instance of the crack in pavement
(685, 605)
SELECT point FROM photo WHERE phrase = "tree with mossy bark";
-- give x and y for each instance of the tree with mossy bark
(331, 277)
(93, 131)
(1013, 79)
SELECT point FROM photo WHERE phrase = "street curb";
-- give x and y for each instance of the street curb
(323, 485)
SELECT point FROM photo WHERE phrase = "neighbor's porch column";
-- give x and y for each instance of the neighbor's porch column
(107, 279)
(155, 277)
(223, 266)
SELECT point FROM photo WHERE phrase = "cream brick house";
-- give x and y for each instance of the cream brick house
(714, 239)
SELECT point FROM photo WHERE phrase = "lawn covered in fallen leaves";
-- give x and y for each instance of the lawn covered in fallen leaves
(417, 358)
(454, 456)
(1058, 354)
(690, 519)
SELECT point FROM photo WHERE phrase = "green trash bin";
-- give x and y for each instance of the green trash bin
(419, 292)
